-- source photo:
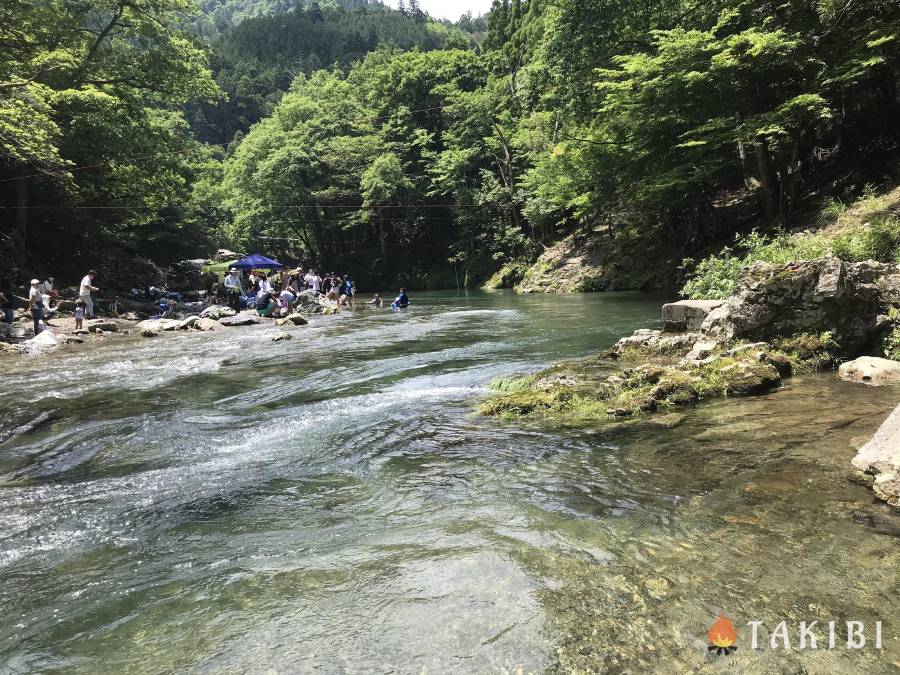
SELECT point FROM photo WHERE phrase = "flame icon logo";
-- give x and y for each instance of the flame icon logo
(722, 636)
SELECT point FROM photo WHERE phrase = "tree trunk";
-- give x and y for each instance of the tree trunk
(768, 177)
(382, 238)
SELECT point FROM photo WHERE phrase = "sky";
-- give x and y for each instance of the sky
(450, 9)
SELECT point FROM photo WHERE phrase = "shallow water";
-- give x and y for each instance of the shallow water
(217, 502)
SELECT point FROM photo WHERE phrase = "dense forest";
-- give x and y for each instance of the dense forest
(381, 141)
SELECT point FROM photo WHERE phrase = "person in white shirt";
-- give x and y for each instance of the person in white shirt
(36, 304)
(316, 283)
(264, 285)
(233, 289)
(84, 293)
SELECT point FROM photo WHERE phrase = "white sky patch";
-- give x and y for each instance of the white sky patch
(449, 9)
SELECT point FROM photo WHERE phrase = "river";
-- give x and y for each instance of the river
(216, 502)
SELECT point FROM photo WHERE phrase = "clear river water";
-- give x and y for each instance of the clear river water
(216, 502)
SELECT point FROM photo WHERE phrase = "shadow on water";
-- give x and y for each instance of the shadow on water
(217, 502)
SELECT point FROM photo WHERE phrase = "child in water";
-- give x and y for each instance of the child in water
(79, 314)
(375, 301)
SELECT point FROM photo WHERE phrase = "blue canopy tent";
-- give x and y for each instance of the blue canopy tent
(255, 261)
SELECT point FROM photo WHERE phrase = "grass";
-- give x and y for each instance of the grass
(868, 229)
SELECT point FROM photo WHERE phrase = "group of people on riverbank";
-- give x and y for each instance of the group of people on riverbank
(276, 294)
(271, 295)
(42, 300)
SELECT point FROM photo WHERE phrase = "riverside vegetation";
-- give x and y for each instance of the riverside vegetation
(558, 145)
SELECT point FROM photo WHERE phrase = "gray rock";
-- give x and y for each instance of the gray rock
(9, 348)
(44, 341)
(281, 336)
(217, 312)
(169, 324)
(101, 325)
(806, 296)
(655, 342)
(71, 339)
(245, 318)
(687, 315)
(870, 370)
(188, 322)
(702, 349)
(880, 458)
(148, 332)
(207, 324)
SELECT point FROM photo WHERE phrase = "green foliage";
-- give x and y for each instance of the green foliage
(875, 241)
(890, 342)
(715, 277)
(809, 352)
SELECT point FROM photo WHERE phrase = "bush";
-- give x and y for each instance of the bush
(878, 241)
(716, 277)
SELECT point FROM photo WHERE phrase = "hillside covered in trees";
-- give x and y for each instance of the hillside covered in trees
(404, 148)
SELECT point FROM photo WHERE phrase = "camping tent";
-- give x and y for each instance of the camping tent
(255, 261)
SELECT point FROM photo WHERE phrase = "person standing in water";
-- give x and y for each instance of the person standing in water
(401, 301)
(347, 291)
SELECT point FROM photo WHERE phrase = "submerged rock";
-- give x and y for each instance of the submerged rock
(280, 336)
(217, 312)
(870, 370)
(880, 458)
(9, 348)
(149, 332)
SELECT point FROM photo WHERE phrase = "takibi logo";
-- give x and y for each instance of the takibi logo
(810, 635)
(722, 636)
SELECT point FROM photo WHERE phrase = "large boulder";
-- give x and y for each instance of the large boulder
(185, 275)
(97, 325)
(870, 370)
(188, 322)
(807, 296)
(217, 312)
(687, 315)
(880, 458)
(310, 302)
(45, 341)
(245, 318)
(206, 324)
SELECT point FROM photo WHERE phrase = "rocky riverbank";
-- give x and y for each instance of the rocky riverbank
(62, 332)
(784, 319)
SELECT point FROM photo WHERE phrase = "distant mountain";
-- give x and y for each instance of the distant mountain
(220, 15)
(255, 61)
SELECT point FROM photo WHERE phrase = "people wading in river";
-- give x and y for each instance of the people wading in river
(347, 291)
(84, 293)
(401, 301)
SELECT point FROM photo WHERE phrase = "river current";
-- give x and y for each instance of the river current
(217, 502)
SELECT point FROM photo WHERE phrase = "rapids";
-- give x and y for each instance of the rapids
(218, 502)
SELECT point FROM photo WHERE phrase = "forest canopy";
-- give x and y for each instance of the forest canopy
(404, 148)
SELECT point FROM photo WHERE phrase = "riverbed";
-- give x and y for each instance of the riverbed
(218, 502)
